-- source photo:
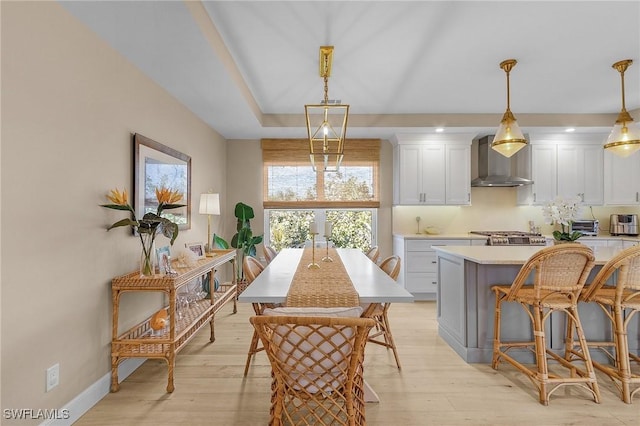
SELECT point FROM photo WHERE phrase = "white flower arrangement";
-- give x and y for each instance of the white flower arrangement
(563, 211)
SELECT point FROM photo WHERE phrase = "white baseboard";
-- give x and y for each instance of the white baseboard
(93, 394)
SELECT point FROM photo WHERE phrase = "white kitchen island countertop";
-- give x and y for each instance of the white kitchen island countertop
(511, 255)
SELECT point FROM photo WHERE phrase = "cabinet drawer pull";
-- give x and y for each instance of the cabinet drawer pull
(434, 282)
(434, 261)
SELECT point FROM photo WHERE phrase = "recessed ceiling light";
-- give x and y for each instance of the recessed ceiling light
(439, 129)
(569, 129)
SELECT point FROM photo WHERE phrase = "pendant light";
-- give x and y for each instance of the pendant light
(326, 123)
(509, 138)
(624, 138)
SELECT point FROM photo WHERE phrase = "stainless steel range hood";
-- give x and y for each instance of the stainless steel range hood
(494, 169)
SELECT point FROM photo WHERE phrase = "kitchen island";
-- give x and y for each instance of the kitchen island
(466, 303)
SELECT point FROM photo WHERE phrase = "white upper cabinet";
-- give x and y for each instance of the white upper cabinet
(622, 179)
(458, 174)
(581, 172)
(567, 166)
(544, 173)
(432, 170)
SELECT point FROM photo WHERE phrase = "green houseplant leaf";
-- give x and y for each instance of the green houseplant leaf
(244, 240)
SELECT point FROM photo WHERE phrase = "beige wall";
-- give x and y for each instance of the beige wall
(491, 209)
(69, 107)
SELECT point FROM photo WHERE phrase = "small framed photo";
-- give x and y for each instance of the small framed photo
(163, 255)
(197, 248)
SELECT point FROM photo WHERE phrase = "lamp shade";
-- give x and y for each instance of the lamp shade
(509, 138)
(624, 139)
(209, 204)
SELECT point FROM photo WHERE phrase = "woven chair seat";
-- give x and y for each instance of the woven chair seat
(607, 296)
(547, 299)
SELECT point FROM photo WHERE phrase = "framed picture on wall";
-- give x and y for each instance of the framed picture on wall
(197, 248)
(158, 166)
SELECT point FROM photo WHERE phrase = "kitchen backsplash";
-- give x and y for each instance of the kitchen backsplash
(491, 209)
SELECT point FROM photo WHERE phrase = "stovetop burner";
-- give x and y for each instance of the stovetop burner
(505, 233)
(512, 238)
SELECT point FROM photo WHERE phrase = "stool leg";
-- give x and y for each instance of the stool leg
(541, 353)
(496, 331)
(622, 354)
(573, 311)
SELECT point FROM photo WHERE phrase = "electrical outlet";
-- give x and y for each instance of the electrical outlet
(53, 376)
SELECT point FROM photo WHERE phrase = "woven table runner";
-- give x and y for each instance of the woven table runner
(328, 286)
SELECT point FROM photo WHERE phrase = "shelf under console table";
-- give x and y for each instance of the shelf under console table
(141, 342)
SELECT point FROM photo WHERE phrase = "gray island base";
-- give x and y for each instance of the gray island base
(466, 303)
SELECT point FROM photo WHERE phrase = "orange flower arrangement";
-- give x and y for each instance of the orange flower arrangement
(150, 224)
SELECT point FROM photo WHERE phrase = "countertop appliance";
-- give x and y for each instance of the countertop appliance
(623, 224)
(512, 238)
(588, 227)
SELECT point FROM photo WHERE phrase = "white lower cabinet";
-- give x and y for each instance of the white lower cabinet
(419, 273)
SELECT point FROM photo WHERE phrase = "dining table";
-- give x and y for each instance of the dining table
(316, 283)
(370, 282)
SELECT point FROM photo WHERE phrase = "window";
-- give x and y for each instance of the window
(352, 228)
(295, 195)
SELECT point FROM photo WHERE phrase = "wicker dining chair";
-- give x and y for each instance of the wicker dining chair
(317, 368)
(381, 334)
(373, 253)
(559, 274)
(620, 303)
(252, 268)
(269, 253)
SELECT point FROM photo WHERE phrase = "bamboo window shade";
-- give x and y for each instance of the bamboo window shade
(295, 152)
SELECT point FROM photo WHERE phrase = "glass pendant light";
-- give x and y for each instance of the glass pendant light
(509, 138)
(624, 138)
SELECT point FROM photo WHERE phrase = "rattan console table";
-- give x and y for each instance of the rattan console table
(141, 342)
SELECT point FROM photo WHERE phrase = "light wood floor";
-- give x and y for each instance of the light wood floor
(434, 387)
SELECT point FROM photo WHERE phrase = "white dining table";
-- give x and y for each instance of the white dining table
(372, 284)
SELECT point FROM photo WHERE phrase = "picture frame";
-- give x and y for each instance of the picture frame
(163, 255)
(157, 165)
(197, 248)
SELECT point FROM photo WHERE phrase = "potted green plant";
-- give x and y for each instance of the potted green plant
(243, 240)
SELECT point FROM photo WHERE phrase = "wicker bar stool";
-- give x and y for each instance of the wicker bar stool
(559, 274)
(620, 303)
(317, 366)
(381, 335)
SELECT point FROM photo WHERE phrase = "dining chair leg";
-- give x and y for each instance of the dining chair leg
(253, 349)
(388, 337)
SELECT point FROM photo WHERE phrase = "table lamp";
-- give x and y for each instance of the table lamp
(209, 204)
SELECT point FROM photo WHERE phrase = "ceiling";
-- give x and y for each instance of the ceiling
(247, 68)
